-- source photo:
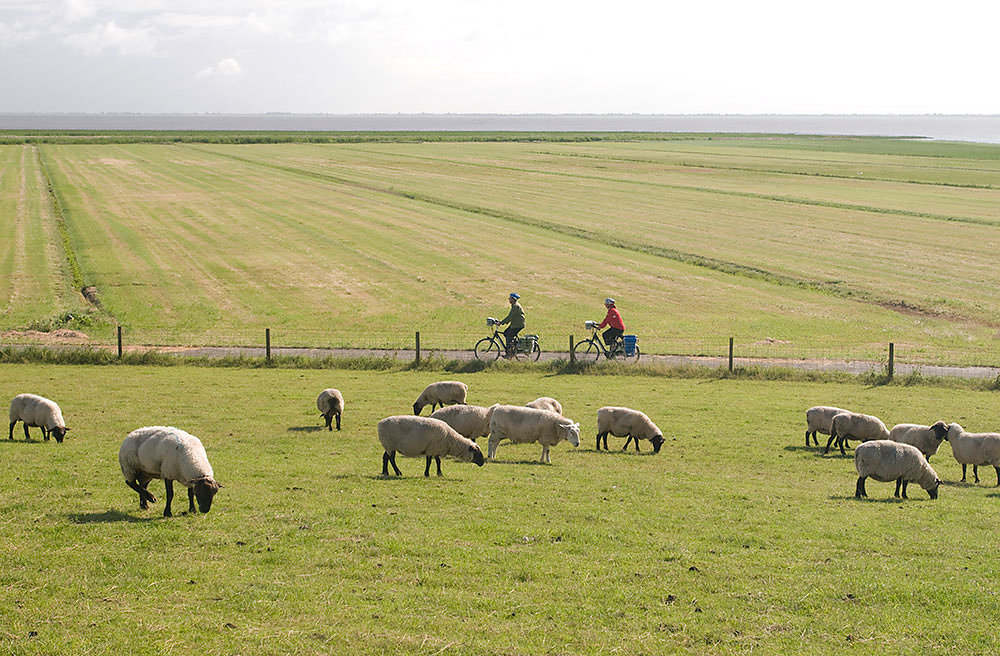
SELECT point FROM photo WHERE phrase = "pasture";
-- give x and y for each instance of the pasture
(735, 538)
(795, 246)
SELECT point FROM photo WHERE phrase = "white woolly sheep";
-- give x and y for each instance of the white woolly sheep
(471, 421)
(331, 404)
(885, 460)
(523, 425)
(173, 455)
(925, 438)
(974, 449)
(546, 403)
(423, 436)
(446, 392)
(855, 426)
(37, 411)
(819, 419)
(622, 422)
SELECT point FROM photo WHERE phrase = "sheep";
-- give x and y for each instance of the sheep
(974, 449)
(622, 422)
(471, 421)
(885, 460)
(522, 425)
(331, 404)
(441, 393)
(925, 438)
(855, 426)
(173, 455)
(34, 410)
(423, 436)
(818, 419)
(546, 403)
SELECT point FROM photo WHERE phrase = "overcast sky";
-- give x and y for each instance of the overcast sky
(510, 56)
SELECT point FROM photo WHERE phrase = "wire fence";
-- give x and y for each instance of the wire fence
(716, 350)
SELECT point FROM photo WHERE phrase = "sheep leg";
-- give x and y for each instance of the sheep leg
(427, 468)
(389, 459)
(905, 483)
(145, 498)
(491, 448)
(975, 472)
(636, 439)
(963, 473)
(191, 500)
(328, 419)
(338, 421)
(10, 433)
(169, 484)
(45, 433)
(998, 474)
(605, 435)
(27, 438)
(859, 490)
(833, 436)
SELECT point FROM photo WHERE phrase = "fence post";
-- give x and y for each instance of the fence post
(892, 348)
(730, 355)
(267, 344)
(119, 342)
(572, 354)
(418, 347)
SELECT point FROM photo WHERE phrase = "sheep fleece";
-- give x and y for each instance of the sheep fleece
(164, 452)
(885, 460)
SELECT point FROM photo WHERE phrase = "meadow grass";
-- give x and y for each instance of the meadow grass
(735, 538)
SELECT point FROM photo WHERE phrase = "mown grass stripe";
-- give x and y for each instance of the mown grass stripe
(60, 212)
(610, 239)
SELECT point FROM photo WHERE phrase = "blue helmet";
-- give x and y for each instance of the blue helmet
(515, 295)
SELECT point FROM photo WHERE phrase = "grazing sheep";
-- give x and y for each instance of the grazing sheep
(34, 410)
(925, 438)
(442, 393)
(331, 404)
(173, 455)
(819, 419)
(423, 436)
(974, 449)
(522, 425)
(546, 403)
(885, 460)
(471, 421)
(622, 422)
(855, 426)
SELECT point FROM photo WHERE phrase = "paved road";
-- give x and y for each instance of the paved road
(852, 366)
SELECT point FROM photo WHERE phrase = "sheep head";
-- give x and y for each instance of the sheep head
(572, 432)
(940, 430)
(934, 490)
(59, 432)
(657, 441)
(204, 492)
(477, 455)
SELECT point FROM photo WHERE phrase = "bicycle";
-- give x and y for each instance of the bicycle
(590, 350)
(491, 348)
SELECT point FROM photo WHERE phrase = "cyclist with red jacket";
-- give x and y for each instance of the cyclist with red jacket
(614, 320)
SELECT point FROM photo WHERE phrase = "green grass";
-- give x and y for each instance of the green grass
(734, 539)
(794, 246)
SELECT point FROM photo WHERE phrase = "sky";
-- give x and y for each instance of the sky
(509, 57)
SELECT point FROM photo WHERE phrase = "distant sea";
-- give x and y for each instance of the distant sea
(980, 128)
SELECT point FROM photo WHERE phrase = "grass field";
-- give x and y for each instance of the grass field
(794, 246)
(735, 538)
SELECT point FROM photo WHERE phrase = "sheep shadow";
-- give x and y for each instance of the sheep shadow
(877, 499)
(808, 449)
(622, 453)
(17, 442)
(413, 477)
(518, 462)
(107, 517)
(306, 429)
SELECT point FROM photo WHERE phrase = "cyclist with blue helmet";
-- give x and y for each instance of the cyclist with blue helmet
(516, 320)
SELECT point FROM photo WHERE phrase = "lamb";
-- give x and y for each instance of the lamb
(441, 393)
(34, 410)
(546, 403)
(471, 421)
(173, 455)
(819, 419)
(523, 425)
(974, 449)
(423, 436)
(622, 422)
(331, 404)
(885, 460)
(855, 426)
(925, 438)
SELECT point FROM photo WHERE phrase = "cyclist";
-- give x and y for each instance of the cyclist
(616, 327)
(516, 320)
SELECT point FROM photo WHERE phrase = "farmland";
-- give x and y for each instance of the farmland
(795, 246)
(735, 538)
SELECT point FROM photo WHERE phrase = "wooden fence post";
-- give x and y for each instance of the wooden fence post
(119, 342)
(891, 358)
(572, 354)
(418, 347)
(730, 355)
(267, 344)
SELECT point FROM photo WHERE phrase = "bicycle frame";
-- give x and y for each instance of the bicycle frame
(492, 347)
(593, 348)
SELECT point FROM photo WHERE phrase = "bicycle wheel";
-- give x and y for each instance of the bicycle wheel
(487, 349)
(631, 358)
(535, 352)
(587, 351)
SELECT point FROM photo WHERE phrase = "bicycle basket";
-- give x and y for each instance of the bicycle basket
(629, 342)
(590, 324)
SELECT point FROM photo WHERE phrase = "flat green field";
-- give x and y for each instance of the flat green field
(735, 538)
(795, 246)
